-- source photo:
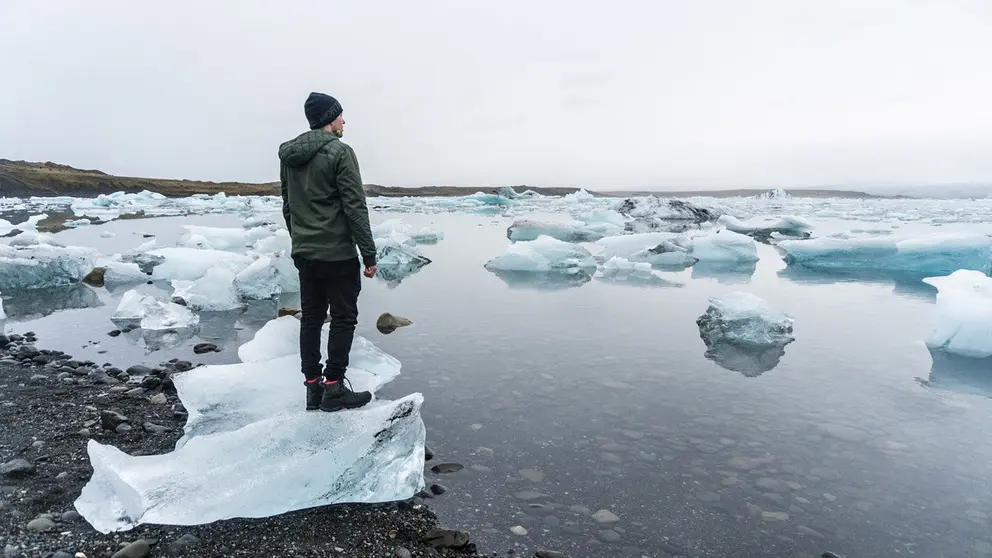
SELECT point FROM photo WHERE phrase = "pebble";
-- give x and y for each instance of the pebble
(774, 516)
(38, 377)
(16, 468)
(123, 427)
(533, 475)
(548, 554)
(401, 552)
(609, 535)
(428, 453)
(113, 333)
(70, 516)
(446, 538)
(183, 543)
(137, 549)
(111, 419)
(38, 444)
(135, 392)
(605, 516)
(528, 495)
(138, 370)
(580, 509)
(158, 399)
(40, 525)
(442, 468)
(153, 428)
(518, 530)
(438, 489)
(201, 348)
(84, 432)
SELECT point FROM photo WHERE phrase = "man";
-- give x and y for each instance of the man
(325, 211)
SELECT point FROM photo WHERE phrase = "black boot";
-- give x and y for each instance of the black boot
(315, 391)
(337, 397)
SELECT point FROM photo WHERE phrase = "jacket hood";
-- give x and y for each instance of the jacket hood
(299, 150)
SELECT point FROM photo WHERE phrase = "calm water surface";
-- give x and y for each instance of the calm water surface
(562, 400)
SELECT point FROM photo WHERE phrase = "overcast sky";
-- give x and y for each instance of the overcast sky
(630, 94)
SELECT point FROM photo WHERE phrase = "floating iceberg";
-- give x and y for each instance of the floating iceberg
(152, 313)
(222, 238)
(110, 206)
(190, 263)
(122, 273)
(724, 246)
(529, 229)
(651, 213)
(964, 314)
(937, 254)
(397, 256)
(543, 255)
(620, 271)
(258, 281)
(43, 265)
(214, 292)
(73, 223)
(393, 231)
(298, 459)
(766, 229)
(744, 333)
(663, 249)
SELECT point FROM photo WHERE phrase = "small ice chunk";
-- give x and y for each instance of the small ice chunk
(763, 228)
(964, 314)
(397, 233)
(397, 261)
(936, 254)
(579, 195)
(72, 223)
(529, 229)
(213, 292)
(620, 264)
(31, 225)
(725, 246)
(744, 319)
(6, 227)
(43, 265)
(107, 234)
(542, 255)
(278, 242)
(29, 238)
(626, 245)
(259, 281)
(152, 313)
(120, 273)
(190, 263)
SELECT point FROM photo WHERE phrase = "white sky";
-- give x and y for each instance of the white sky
(658, 94)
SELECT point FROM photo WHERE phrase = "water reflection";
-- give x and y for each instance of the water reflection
(37, 303)
(750, 361)
(906, 284)
(158, 339)
(546, 281)
(635, 279)
(725, 273)
(960, 374)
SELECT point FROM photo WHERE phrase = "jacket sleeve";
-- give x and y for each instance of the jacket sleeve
(349, 180)
(285, 198)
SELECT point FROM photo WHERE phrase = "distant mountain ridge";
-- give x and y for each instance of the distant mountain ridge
(24, 179)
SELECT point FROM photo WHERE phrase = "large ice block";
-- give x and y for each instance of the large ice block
(724, 247)
(44, 265)
(122, 273)
(288, 461)
(213, 292)
(935, 254)
(6, 227)
(765, 229)
(543, 255)
(254, 451)
(964, 314)
(744, 319)
(190, 263)
(152, 313)
(663, 249)
(259, 281)
(573, 231)
(651, 212)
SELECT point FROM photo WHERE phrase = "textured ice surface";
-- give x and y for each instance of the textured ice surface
(529, 229)
(212, 292)
(222, 238)
(259, 281)
(191, 264)
(279, 242)
(543, 255)
(122, 273)
(935, 254)
(964, 314)
(744, 319)
(618, 270)
(650, 213)
(764, 228)
(153, 313)
(297, 459)
(3, 315)
(6, 227)
(724, 246)
(620, 264)
(37, 266)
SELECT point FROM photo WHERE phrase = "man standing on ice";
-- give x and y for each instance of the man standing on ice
(323, 202)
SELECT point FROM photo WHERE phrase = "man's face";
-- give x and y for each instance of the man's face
(337, 127)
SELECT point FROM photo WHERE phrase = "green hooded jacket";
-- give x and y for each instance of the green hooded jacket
(323, 200)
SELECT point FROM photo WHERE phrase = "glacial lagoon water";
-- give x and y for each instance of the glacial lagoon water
(566, 399)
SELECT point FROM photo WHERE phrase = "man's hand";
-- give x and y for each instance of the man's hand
(370, 271)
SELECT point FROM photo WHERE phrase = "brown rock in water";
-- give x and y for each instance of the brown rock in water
(387, 323)
(95, 277)
(289, 312)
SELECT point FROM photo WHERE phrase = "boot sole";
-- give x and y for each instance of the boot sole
(343, 407)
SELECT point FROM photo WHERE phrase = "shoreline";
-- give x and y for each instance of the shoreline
(52, 405)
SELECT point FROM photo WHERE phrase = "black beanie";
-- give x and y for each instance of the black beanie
(321, 110)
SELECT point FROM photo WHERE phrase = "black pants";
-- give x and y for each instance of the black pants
(323, 286)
